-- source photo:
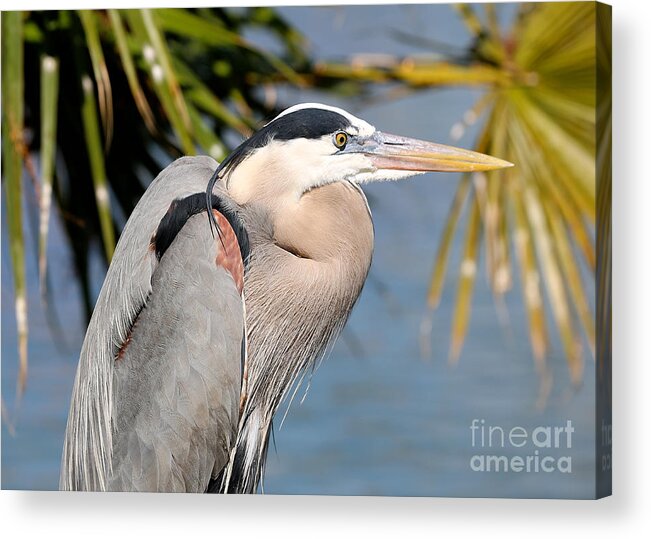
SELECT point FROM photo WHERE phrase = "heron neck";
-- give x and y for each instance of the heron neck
(307, 287)
(329, 224)
(307, 268)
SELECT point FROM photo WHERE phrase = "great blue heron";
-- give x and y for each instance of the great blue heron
(198, 336)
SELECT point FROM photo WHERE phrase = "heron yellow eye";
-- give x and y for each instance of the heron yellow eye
(341, 139)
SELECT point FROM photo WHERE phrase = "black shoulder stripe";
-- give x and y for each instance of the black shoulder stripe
(183, 208)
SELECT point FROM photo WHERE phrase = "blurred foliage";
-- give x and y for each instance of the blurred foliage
(604, 195)
(12, 154)
(538, 218)
(139, 87)
(136, 88)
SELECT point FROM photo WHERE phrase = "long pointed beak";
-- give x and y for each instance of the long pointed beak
(401, 153)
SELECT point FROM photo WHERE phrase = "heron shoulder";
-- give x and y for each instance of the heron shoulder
(182, 209)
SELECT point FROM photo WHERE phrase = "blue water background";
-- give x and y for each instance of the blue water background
(378, 418)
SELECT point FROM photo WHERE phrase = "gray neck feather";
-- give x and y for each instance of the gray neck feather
(305, 274)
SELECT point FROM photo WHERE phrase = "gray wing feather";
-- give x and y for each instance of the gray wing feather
(177, 384)
(86, 460)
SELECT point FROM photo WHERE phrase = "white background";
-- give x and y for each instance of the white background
(625, 514)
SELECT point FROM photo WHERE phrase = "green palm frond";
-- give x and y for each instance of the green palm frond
(543, 121)
(539, 113)
(546, 126)
(49, 98)
(13, 151)
(134, 87)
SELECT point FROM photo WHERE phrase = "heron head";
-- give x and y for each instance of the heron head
(310, 145)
